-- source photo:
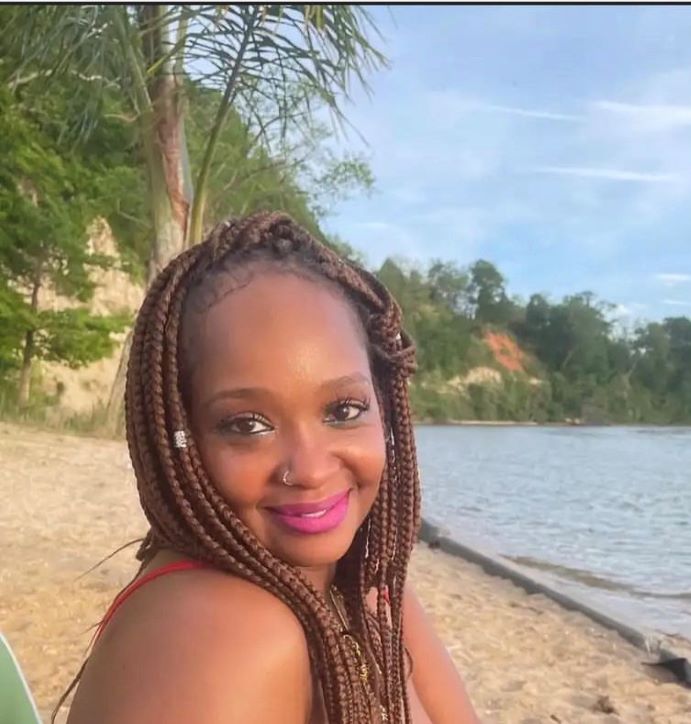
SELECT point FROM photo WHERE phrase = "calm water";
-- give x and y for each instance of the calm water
(606, 510)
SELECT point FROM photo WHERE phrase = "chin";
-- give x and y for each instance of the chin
(315, 550)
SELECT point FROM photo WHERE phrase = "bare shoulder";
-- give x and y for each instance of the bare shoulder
(198, 646)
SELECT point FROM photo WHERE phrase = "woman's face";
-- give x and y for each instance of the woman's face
(281, 381)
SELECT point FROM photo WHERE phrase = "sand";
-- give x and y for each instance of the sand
(69, 501)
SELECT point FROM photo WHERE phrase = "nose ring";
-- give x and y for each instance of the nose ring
(285, 478)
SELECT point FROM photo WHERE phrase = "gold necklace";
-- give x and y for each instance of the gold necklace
(363, 669)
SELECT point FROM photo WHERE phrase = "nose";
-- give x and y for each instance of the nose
(310, 460)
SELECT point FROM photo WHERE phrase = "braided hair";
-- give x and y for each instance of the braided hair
(188, 514)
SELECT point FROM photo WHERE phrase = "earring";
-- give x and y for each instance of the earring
(285, 478)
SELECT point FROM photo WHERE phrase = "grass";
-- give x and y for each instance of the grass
(44, 413)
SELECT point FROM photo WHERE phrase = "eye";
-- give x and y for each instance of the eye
(346, 410)
(246, 425)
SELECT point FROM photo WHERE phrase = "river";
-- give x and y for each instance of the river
(605, 510)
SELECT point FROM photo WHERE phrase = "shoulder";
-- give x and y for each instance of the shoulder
(198, 646)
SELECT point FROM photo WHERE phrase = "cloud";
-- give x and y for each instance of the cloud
(672, 280)
(646, 117)
(609, 174)
(622, 310)
(623, 316)
(676, 303)
(528, 112)
(451, 102)
(555, 174)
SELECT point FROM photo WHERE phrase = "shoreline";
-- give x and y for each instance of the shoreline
(525, 658)
(533, 423)
(656, 644)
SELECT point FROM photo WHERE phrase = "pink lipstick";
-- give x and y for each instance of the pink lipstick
(320, 517)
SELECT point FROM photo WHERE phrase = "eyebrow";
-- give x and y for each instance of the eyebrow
(245, 392)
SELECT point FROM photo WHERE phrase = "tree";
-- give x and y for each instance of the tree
(449, 285)
(301, 174)
(537, 315)
(43, 244)
(255, 55)
(487, 294)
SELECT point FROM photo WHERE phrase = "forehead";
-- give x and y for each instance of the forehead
(278, 328)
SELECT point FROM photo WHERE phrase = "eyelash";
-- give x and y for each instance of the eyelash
(362, 405)
(225, 426)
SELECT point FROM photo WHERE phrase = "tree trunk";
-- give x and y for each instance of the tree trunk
(115, 417)
(170, 187)
(168, 171)
(169, 209)
(163, 136)
(25, 373)
(29, 345)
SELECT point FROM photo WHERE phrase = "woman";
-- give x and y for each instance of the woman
(269, 429)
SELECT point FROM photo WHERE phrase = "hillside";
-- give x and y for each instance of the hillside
(86, 389)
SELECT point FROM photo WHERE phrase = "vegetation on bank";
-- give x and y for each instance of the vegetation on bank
(562, 360)
(483, 355)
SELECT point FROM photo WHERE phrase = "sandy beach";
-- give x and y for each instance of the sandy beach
(70, 501)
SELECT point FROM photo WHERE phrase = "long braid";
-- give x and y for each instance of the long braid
(187, 513)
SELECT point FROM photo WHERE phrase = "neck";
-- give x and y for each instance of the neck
(321, 577)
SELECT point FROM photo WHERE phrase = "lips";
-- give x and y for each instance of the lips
(310, 518)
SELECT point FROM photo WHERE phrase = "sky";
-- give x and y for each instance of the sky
(553, 141)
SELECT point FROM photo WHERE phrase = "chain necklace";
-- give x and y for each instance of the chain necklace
(363, 668)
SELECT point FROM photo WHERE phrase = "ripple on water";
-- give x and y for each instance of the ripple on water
(605, 509)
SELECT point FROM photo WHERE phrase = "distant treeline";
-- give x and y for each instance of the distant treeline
(578, 364)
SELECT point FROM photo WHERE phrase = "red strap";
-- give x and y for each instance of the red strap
(150, 576)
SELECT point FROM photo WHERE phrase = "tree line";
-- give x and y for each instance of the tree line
(579, 364)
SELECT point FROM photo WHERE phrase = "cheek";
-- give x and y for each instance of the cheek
(239, 475)
(369, 459)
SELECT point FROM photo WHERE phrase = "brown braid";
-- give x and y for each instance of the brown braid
(187, 513)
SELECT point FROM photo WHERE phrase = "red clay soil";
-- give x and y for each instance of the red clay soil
(505, 350)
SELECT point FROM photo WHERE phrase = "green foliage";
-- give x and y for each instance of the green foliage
(487, 295)
(75, 337)
(273, 66)
(449, 286)
(14, 319)
(43, 211)
(433, 401)
(576, 367)
(256, 171)
(48, 194)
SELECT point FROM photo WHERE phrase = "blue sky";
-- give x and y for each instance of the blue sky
(553, 141)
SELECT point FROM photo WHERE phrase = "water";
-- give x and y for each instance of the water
(605, 510)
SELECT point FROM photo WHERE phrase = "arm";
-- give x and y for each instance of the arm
(437, 683)
(216, 651)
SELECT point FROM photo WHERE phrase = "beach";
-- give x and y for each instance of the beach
(70, 501)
